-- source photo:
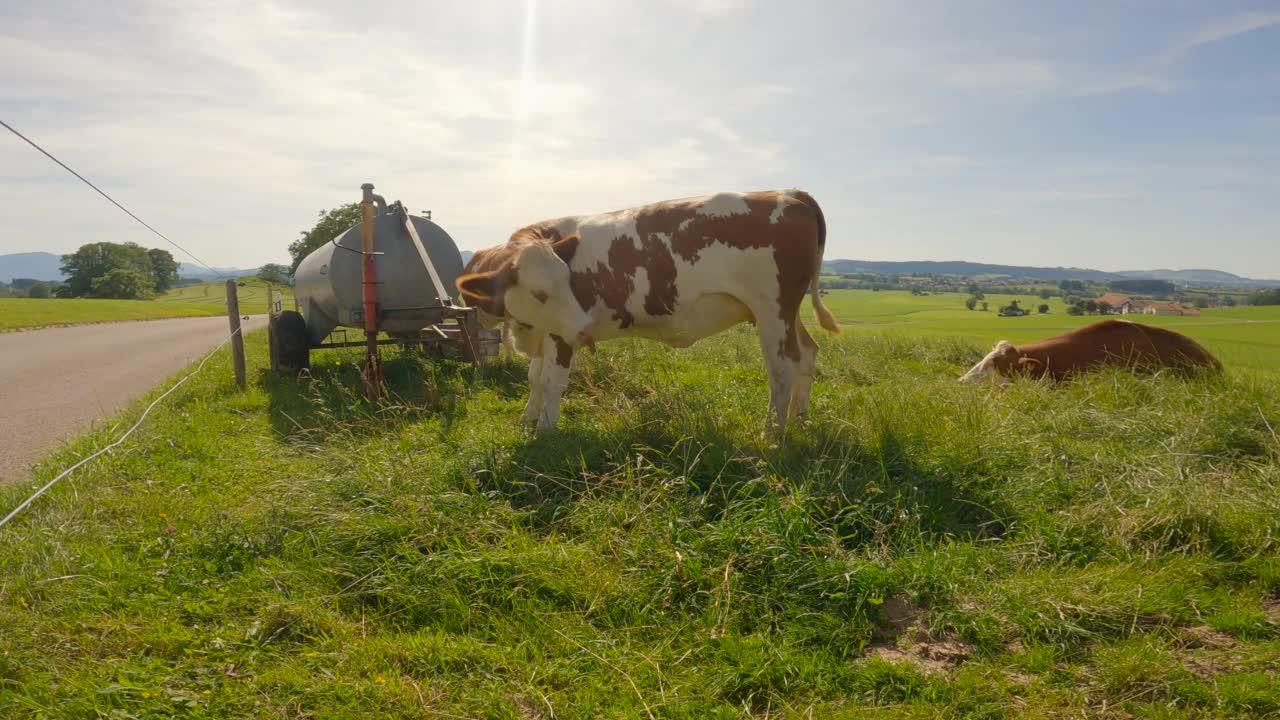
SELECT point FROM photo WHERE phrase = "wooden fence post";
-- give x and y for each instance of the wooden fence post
(237, 338)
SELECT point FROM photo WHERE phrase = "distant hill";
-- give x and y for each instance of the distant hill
(1195, 277)
(34, 265)
(968, 269)
(1040, 274)
(200, 272)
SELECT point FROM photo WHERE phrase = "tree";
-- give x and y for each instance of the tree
(1091, 306)
(1202, 302)
(1229, 301)
(95, 260)
(274, 274)
(971, 303)
(1045, 294)
(1152, 287)
(332, 223)
(984, 307)
(1077, 285)
(1077, 309)
(1044, 308)
(124, 284)
(1104, 308)
(1265, 297)
(164, 269)
(39, 290)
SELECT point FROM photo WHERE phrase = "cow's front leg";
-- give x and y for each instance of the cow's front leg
(533, 408)
(557, 361)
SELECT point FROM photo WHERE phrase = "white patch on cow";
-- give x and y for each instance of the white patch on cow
(776, 216)
(596, 235)
(725, 204)
(640, 290)
(987, 366)
(626, 227)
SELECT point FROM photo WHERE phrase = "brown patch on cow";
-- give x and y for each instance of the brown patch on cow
(541, 296)
(565, 249)
(1117, 343)
(564, 351)
(796, 240)
(484, 290)
(613, 282)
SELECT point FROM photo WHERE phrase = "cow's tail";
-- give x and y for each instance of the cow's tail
(820, 311)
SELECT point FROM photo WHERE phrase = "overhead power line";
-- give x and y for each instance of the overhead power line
(110, 199)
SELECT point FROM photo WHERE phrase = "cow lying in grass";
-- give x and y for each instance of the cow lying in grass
(674, 271)
(1117, 343)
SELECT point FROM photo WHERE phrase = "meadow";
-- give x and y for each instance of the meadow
(191, 301)
(1247, 337)
(1105, 548)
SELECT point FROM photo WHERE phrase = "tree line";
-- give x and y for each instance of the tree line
(121, 271)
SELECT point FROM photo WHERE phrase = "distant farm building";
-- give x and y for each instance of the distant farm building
(1125, 305)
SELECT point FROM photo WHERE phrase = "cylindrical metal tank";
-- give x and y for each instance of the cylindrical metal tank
(327, 282)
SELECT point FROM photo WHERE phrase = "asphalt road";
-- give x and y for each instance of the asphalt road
(55, 383)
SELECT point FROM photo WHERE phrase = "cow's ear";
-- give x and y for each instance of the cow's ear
(484, 290)
(1030, 366)
(566, 248)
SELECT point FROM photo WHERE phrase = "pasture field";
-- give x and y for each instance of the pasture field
(1106, 548)
(1243, 336)
(191, 301)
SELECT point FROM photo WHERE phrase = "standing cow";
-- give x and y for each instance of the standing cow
(492, 258)
(674, 271)
(1117, 343)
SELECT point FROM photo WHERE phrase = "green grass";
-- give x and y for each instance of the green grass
(192, 301)
(213, 296)
(1244, 336)
(922, 549)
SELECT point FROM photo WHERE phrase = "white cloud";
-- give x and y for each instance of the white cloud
(1229, 27)
(1018, 76)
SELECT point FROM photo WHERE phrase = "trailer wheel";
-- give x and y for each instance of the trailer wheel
(292, 346)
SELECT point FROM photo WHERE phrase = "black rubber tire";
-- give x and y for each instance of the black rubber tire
(293, 347)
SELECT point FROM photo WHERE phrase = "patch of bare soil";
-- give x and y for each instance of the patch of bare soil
(1271, 609)
(908, 640)
(1206, 652)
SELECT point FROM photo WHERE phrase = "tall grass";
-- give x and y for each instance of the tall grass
(1104, 548)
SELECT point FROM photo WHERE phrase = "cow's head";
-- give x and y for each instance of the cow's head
(533, 290)
(998, 363)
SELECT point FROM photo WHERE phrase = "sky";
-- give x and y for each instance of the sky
(1115, 135)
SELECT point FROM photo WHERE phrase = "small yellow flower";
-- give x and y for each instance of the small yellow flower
(206, 692)
(379, 680)
(146, 695)
(310, 654)
(163, 515)
(339, 362)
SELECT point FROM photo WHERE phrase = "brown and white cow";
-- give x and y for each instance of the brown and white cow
(485, 260)
(674, 271)
(1117, 343)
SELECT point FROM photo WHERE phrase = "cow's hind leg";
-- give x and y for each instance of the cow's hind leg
(778, 343)
(805, 369)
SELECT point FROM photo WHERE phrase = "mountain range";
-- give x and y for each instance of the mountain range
(1217, 278)
(45, 266)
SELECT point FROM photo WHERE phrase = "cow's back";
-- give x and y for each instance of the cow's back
(1119, 343)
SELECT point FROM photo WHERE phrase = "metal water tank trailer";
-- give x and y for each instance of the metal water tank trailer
(328, 288)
